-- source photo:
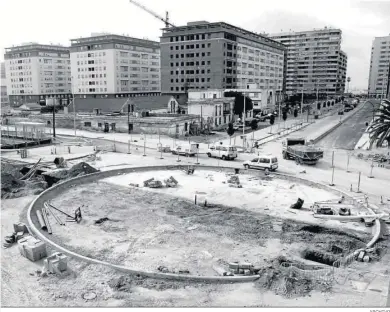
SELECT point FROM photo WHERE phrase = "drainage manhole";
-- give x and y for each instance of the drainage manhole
(89, 296)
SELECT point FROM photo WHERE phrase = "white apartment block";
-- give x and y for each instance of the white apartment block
(378, 82)
(314, 60)
(107, 65)
(263, 68)
(37, 72)
(3, 84)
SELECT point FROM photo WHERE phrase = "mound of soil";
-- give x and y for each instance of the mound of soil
(14, 188)
(9, 184)
(80, 169)
(289, 285)
(11, 169)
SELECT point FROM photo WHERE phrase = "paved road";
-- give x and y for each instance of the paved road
(349, 133)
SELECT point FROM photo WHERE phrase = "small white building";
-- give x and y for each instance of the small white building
(215, 110)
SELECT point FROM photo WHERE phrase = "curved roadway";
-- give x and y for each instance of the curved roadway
(348, 134)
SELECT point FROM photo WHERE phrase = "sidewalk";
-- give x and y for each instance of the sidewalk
(151, 141)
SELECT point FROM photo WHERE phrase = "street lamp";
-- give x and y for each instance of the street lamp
(74, 109)
(373, 109)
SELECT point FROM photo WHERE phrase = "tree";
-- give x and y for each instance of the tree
(230, 131)
(380, 128)
(239, 102)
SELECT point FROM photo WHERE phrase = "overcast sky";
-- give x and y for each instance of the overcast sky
(54, 21)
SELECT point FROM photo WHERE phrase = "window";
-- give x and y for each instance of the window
(87, 124)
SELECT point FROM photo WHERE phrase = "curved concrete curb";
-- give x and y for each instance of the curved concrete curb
(57, 189)
(49, 193)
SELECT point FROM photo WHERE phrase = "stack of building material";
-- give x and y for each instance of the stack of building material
(152, 183)
(19, 230)
(241, 268)
(32, 248)
(56, 263)
(171, 182)
(234, 181)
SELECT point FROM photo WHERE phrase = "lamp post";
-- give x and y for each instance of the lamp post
(128, 116)
(373, 109)
(74, 108)
(54, 120)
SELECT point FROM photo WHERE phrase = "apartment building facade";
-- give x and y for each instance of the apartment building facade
(203, 55)
(378, 81)
(314, 61)
(107, 65)
(37, 72)
(3, 84)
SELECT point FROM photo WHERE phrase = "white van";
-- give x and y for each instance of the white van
(269, 162)
(223, 151)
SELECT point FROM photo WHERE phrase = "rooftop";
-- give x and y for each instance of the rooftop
(202, 25)
(315, 30)
(110, 38)
(111, 105)
(36, 46)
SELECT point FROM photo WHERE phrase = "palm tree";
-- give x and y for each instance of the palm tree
(380, 128)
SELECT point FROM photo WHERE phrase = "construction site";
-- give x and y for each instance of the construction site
(113, 210)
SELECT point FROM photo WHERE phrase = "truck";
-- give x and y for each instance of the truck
(301, 152)
(189, 151)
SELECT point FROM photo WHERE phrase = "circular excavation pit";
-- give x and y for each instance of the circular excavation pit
(162, 230)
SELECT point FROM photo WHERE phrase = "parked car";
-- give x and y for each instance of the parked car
(224, 152)
(348, 109)
(186, 151)
(269, 162)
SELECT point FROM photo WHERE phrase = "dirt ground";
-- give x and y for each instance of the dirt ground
(270, 196)
(150, 229)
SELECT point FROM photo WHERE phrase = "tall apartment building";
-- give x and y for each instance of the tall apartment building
(378, 81)
(3, 84)
(107, 65)
(203, 55)
(37, 72)
(314, 60)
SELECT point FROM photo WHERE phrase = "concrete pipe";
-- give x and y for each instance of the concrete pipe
(41, 221)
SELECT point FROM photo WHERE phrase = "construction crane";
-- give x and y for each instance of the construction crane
(166, 20)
